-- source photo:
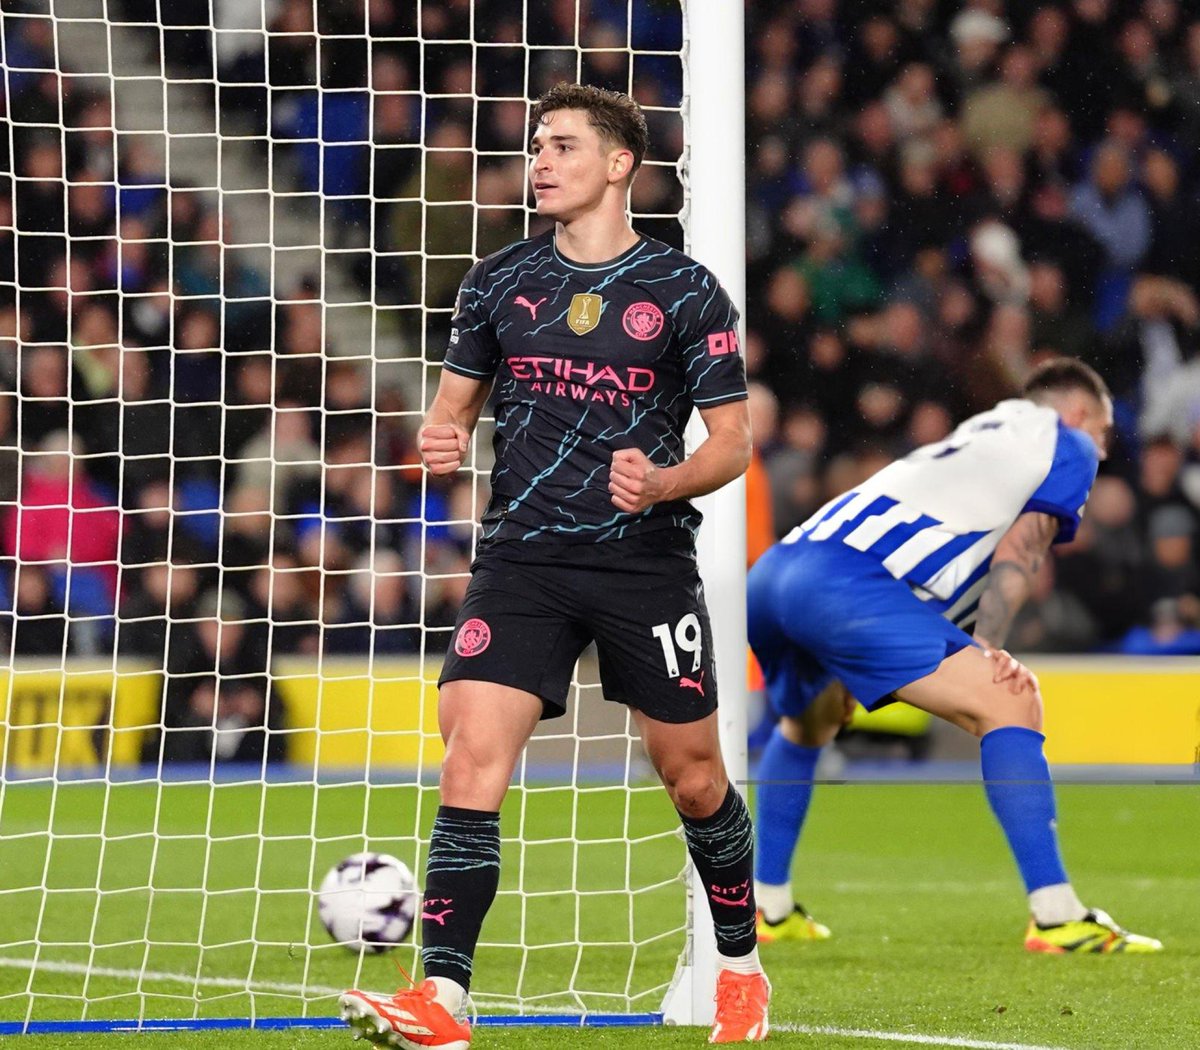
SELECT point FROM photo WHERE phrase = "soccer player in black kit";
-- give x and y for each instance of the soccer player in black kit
(599, 342)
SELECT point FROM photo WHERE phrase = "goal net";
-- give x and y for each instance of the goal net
(230, 239)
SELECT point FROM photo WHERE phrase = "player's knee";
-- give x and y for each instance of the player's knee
(698, 790)
(809, 732)
(1035, 712)
(1023, 710)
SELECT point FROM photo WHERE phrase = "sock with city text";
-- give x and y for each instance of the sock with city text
(461, 878)
(722, 848)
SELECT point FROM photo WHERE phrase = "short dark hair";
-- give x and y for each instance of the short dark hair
(616, 117)
(1060, 374)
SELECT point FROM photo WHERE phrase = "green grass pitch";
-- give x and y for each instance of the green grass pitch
(915, 881)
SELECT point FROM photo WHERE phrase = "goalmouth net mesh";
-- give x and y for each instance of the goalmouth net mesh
(230, 240)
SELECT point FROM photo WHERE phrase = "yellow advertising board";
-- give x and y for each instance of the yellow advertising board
(355, 714)
(1121, 709)
(81, 719)
(1098, 710)
(380, 715)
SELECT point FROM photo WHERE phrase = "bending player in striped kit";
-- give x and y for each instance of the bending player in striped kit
(869, 599)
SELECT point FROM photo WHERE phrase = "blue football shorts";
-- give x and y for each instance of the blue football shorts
(819, 611)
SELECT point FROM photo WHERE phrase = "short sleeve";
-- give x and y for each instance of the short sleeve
(473, 350)
(706, 327)
(1065, 488)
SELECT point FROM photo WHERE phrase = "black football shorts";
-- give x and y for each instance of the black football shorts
(532, 607)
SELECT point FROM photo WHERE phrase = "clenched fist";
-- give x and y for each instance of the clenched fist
(635, 482)
(443, 447)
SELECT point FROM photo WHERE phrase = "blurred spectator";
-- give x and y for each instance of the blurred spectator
(1050, 159)
(283, 454)
(164, 595)
(432, 220)
(1052, 621)
(1173, 219)
(1144, 77)
(977, 35)
(1113, 210)
(44, 394)
(1003, 197)
(446, 582)
(920, 214)
(1157, 335)
(37, 625)
(1187, 81)
(1004, 113)
(875, 58)
(247, 527)
(216, 702)
(1051, 233)
(377, 613)
(1174, 630)
(1058, 326)
(285, 595)
(793, 468)
(1104, 565)
(64, 520)
(1172, 570)
(912, 103)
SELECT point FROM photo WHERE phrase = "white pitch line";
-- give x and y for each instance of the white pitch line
(907, 1037)
(49, 966)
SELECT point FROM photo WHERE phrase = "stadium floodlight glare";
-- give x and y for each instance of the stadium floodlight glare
(234, 247)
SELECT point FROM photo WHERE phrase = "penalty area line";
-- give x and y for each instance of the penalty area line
(907, 1037)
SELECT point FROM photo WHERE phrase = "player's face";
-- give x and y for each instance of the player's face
(571, 167)
(1096, 420)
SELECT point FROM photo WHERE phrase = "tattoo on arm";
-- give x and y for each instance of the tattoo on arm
(1010, 582)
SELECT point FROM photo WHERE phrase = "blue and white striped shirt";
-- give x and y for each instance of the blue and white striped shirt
(934, 518)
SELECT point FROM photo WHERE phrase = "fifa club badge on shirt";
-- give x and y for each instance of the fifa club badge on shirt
(584, 313)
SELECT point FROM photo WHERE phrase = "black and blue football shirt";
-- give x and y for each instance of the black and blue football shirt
(588, 360)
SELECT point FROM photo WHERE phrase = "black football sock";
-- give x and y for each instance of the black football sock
(461, 877)
(722, 848)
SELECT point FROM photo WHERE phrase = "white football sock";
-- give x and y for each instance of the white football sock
(741, 963)
(775, 902)
(450, 994)
(1054, 905)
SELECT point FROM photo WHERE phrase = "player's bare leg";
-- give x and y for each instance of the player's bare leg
(782, 797)
(964, 691)
(720, 839)
(981, 693)
(485, 727)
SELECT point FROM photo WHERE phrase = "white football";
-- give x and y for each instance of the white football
(368, 902)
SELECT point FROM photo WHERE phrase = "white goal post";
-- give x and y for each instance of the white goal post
(715, 180)
(227, 229)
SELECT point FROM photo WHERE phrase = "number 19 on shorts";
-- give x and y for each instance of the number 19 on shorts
(686, 638)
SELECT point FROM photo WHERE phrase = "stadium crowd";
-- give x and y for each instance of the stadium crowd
(938, 196)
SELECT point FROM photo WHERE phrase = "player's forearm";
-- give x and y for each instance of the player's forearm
(443, 411)
(1009, 586)
(721, 457)
(459, 401)
(1016, 563)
